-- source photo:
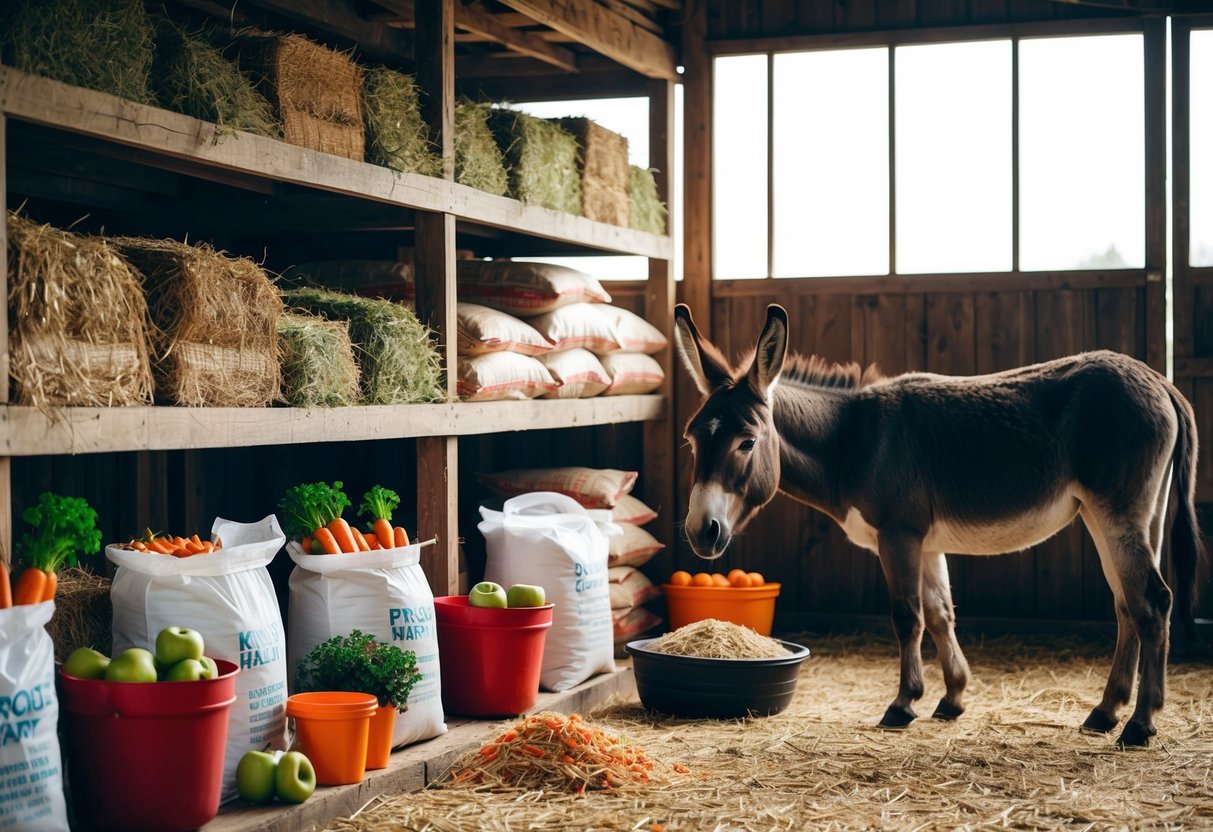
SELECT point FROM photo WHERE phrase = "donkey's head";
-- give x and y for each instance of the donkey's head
(733, 439)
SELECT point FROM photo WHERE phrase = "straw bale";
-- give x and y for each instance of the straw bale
(1014, 760)
(541, 159)
(103, 45)
(317, 91)
(192, 77)
(478, 160)
(79, 320)
(396, 135)
(603, 165)
(646, 210)
(396, 358)
(318, 367)
(84, 615)
(216, 315)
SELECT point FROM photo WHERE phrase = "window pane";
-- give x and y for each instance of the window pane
(1201, 132)
(1081, 153)
(953, 146)
(831, 146)
(739, 167)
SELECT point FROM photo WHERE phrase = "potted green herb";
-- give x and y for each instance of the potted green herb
(358, 664)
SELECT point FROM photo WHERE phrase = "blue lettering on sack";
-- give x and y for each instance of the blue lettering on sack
(261, 646)
(409, 624)
(20, 710)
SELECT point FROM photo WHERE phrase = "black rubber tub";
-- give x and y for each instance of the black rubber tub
(722, 688)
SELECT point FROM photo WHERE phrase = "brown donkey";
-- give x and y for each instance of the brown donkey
(920, 464)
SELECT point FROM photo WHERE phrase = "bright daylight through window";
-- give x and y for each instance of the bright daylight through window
(1201, 143)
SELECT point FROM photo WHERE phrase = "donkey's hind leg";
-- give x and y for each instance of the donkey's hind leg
(901, 560)
(941, 624)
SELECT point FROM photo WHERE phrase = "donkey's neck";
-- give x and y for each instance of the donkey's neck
(809, 421)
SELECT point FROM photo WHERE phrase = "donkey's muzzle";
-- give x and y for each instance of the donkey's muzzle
(712, 539)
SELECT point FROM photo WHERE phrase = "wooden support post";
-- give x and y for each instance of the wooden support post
(435, 52)
(697, 159)
(1156, 191)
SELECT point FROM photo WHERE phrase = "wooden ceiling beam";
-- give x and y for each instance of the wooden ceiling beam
(338, 17)
(524, 43)
(604, 31)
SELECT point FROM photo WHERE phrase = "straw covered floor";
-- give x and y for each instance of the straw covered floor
(1014, 760)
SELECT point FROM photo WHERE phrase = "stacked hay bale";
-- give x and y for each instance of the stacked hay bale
(396, 358)
(541, 158)
(79, 320)
(192, 77)
(318, 367)
(478, 160)
(396, 135)
(217, 344)
(646, 210)
(603, 166)
(104, 45)
(317, 92)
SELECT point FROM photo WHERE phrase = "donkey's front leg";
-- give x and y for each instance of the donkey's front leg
(901, 559)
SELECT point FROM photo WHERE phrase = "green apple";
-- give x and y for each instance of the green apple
(210, 670)
(487, 594)
(132, 665)
(176, 644)
(86, 663)
(255, 775)
(295, 779)
(190, 670)
(525, 595)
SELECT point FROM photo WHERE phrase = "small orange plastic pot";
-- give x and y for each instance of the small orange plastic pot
(333, 728)
(752, 607)
(379, 742)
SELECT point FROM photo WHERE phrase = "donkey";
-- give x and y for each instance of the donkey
(919, 464)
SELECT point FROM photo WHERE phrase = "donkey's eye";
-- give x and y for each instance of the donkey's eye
(746, 445)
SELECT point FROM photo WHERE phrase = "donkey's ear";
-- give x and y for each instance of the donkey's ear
(703, 361)
(771, 351)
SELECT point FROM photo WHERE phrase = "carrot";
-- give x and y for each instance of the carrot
(159, 546)
(207, 546)
(6, 589)
(195, 539)
(383, 531)
(359, 540)
(30, 587)
(341, 532)
(138, 545)
(373, 542)
(306, 545)
(52, 584)
(532, 750)
(400, 537)
(327, 541)
(194, 548)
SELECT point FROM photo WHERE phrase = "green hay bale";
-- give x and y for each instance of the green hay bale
(647, 212)
(318, 367)
(192, 77)
(541, 157)
(104, 45)
(478, 160)
(396, 358)
(396, 135)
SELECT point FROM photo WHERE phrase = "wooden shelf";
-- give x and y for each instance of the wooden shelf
(200, 151)
(29, 431)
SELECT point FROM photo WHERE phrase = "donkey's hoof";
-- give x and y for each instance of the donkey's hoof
(946, 711)
(1136, 735)
(897, 717)
(1099, 722)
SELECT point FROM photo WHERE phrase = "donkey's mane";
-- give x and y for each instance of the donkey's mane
(815, 371)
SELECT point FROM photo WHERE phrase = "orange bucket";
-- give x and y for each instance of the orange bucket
(332, 729)
(379, 742)
(752, 607)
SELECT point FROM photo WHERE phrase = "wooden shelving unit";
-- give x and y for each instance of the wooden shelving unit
(159, 140)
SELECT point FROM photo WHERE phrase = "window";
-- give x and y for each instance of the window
(739, 167)
(1200, 248)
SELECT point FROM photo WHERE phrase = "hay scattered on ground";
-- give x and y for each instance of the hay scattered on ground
(713, 639)
(79, 320)
(216, 315)
(541, 159)
(396, 357)
(478, 160)
(318, 367)
(1014, 760)
(103, 45)
(648, 212)
(84, 615)
(192, 77)
(396, 135)
(603, 166)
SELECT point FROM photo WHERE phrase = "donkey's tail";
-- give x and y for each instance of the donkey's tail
(1187, 549)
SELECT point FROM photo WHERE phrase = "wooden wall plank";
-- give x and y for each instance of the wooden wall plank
(697, 166)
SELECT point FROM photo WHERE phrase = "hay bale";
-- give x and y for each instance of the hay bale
(647, 211)
(318, 92)
(84, 616)
(541, 157)
(396, 135)
(192, 77)
(478, 160)
(318, 367)
(217, 344)
(603, 166)
(396, 358)
(79, 320)
(103, 45)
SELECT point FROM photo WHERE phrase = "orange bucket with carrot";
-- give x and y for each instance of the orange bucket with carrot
(752, 607)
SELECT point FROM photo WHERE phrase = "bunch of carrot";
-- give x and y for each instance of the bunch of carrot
(313, 512)
(62, 527)
(178, 547)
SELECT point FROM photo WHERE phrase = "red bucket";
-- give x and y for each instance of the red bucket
(147, 755)
(490, 657)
